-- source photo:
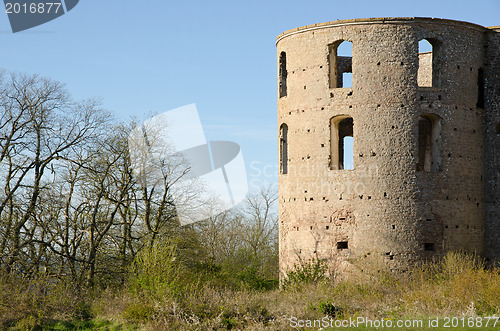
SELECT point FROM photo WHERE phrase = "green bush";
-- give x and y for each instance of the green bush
(329, 309)
(253, 280)
(312, 271)
(156, 272)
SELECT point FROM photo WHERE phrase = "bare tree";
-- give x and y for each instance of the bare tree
(260, 228)
(245, 238)
(74, 204)
(41, 125)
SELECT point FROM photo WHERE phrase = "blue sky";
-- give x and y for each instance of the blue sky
(149, 56)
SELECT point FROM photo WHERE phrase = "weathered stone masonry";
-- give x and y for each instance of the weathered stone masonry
(426, 130)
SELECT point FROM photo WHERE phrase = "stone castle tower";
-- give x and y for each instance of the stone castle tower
(404, 163)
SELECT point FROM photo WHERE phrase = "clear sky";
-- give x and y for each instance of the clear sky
(155, 55)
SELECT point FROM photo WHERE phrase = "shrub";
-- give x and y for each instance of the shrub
(156, 272)
(312, 271)
(253, 280)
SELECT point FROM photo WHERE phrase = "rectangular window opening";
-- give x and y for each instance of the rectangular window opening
(429, 247)
(342, 245)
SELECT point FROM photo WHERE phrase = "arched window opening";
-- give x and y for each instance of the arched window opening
(480, 88)
(284, 149)
(282, 75)
(340, 64)
(429, 143)
(341, 143)
(428, 63)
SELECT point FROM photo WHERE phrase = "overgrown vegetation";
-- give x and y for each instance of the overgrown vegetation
(161, 294)
(85, 245)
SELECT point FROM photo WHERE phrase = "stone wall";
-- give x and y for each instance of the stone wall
(385, 206)
(492, 143)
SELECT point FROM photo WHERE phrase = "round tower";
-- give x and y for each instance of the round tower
(388, 162)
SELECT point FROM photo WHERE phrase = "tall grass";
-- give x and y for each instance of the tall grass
(162, 295)
(459, 285)
(26, 303)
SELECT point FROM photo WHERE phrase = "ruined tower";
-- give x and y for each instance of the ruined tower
(404, 163)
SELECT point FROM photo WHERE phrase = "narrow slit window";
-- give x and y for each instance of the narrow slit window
(282, 75)
(340, 63)
(429, 143)
(428, 63)
(480, 88)
(341, 143)
(284, 149)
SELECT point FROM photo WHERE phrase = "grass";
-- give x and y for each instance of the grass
(87, 325)
(459, 286)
